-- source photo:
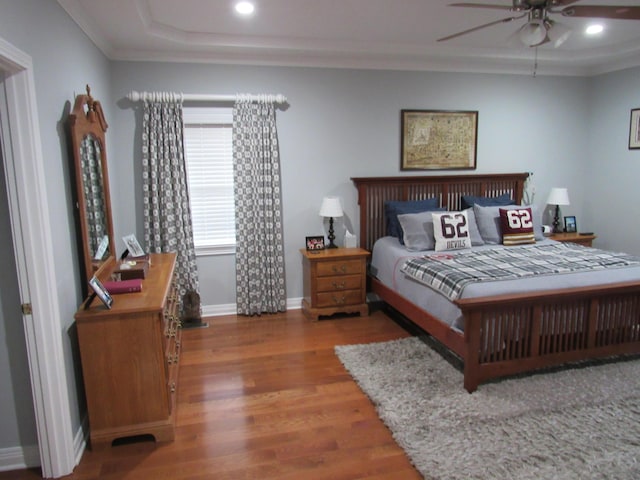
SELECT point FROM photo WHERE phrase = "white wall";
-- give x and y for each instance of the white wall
(346, 123)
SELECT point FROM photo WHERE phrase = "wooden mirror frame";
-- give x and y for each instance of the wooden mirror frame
(86, 121)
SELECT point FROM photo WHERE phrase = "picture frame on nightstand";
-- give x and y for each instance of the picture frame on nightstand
(315, 243)
(570, 225)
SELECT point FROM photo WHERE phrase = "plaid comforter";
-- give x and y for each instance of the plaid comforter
(450, 272)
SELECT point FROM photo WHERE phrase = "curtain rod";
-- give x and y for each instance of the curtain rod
(186, 97)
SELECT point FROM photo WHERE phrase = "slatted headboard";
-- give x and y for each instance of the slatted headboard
(374, 191)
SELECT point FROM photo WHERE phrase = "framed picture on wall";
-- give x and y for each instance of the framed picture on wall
(438, 140)
(570, 225)
(634, 130)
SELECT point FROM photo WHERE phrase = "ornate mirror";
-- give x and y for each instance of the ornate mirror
(88, 126)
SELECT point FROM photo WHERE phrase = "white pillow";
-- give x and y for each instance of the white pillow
(451, 231)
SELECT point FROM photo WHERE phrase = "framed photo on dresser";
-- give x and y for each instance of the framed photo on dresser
(100, 292)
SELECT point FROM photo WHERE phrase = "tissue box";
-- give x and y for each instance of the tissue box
(350, 241)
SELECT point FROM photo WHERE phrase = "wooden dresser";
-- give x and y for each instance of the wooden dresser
(130, 358)
(334, 281)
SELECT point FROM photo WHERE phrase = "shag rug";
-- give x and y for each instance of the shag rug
(581, 423)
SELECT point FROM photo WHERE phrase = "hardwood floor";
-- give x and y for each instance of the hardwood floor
(264, 398)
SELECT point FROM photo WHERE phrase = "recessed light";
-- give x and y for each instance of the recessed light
(245, 8)
(594, 29)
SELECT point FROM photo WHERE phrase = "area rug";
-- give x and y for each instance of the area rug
(581, 423)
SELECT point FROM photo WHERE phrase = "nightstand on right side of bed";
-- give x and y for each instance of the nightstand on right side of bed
(579, 238)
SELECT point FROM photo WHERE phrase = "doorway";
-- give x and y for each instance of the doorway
(31, 238)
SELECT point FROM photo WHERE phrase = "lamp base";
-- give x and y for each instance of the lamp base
(556, 221)
(331, 235)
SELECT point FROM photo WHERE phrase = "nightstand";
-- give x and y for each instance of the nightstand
(335, 281)
(585, 240)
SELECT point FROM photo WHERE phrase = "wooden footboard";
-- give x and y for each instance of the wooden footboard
(505, 335)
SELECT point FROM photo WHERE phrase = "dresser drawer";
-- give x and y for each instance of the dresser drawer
(337, 299)
(337, 283)
(344, 267)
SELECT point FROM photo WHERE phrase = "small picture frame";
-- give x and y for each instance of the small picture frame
(634, 130)
(315, 244)
(100, 292)
(135, 250)
(570, 225)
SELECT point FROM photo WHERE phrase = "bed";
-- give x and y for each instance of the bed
(505, 334)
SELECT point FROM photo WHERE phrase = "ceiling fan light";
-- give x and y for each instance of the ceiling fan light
(533, 33)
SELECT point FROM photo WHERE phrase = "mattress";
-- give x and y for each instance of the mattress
(389, 255)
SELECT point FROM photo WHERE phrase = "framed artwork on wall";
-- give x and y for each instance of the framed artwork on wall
(438, 140)
(634, 130)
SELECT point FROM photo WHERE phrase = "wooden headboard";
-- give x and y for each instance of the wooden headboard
(374, 191)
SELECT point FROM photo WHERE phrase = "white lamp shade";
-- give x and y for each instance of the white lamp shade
(331, 207)
(558, 196)
(533, 33)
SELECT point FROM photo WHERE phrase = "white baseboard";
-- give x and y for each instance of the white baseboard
(19, 458)
(80, 439)
(230, 308)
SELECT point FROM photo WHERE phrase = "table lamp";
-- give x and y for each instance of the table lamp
(557, 197)
(331, 208)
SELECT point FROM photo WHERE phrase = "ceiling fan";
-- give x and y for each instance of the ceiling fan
(539, 28)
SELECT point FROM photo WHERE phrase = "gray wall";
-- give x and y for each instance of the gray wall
(339, 123)
(345, 123)
(611, 169)
(64, 61)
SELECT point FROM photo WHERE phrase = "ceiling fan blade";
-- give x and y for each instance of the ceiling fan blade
(464, 32)
(480, 5)
(601, 11)
(562, 3)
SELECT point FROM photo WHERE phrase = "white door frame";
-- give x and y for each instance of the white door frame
(31, 232)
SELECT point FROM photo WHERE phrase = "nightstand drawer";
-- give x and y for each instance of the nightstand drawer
(345, 282)
(337, 299)
(344, 267)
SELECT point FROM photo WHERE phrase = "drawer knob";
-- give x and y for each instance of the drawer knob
(340, 269)
(339, 300)
(339, 286)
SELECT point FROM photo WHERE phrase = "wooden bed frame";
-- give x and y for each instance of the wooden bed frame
(506, 334)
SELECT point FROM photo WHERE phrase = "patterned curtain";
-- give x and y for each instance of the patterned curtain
(260, 282)
(167, 215)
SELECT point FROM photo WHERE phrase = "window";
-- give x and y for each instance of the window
(208, 153)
